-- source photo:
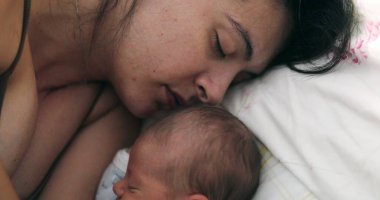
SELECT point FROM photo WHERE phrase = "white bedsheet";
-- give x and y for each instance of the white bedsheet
(278, 183)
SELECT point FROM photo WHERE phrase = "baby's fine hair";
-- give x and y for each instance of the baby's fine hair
(207, 151)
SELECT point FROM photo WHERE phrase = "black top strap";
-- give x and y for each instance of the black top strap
(4, 77)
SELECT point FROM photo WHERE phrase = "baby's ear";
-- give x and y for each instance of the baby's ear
(197, 197)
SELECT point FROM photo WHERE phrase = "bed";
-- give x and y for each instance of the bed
(319, 135)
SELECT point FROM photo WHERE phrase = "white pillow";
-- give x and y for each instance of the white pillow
(277, 182)
(325, 129)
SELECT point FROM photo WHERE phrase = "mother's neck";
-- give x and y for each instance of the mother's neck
(60, 35)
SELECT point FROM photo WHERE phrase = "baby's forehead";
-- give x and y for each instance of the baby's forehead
(188, 124)
(145, 152)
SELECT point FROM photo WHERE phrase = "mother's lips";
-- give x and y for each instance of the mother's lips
(174, 100)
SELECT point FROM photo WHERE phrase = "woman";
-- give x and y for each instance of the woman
(87, 70)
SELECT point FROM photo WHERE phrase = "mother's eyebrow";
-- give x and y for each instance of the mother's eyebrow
(245, 36)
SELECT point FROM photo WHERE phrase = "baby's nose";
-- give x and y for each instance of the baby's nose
(119, 188)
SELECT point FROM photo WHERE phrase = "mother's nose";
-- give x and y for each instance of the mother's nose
(211, 90)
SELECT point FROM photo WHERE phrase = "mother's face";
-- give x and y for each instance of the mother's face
(178, 52)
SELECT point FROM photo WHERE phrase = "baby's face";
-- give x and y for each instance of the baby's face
(136, 185)
(138, 182)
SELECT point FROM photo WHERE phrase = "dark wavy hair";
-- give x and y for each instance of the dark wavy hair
(321, 28)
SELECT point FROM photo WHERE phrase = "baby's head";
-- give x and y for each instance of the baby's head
(197, 153)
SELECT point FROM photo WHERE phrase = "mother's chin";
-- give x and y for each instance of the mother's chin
(138, 106)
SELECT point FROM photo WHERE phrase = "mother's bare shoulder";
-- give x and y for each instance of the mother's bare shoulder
(11, 13)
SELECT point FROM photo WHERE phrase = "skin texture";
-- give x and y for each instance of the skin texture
(17, 120)
(192, 154)
(146, 158)
(137, 184)
(6, 189)
(173, 46)
(169, 47)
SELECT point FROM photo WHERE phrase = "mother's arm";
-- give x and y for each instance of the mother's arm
(81, 168)
(108, 128)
